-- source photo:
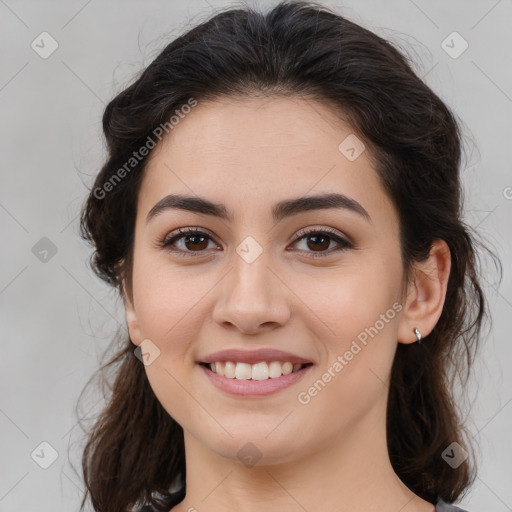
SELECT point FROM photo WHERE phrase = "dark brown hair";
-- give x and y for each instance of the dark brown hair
(135, 451)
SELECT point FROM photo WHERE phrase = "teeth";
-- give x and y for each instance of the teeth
(229, 369)
(243, 371)
(287, 368)
(258, 371)
(219, 369)
(275, 369)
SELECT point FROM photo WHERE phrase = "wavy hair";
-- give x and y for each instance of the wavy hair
(134, 453)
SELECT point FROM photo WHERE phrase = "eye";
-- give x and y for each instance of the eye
(188, 240)
(320, 240)
(193, 240)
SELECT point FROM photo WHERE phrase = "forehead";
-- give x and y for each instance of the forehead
(253, 151)
(280, 125)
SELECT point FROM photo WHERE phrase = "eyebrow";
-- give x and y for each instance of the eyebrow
(281, 210)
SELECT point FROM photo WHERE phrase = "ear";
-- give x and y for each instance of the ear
(425, 295)
(131, 316)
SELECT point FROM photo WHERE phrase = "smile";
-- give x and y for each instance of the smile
(257, 379)
(259, 371)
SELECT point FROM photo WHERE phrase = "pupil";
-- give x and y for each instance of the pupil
(191, 237)
(322, 237)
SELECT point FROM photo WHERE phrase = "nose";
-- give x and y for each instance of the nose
(252, 299)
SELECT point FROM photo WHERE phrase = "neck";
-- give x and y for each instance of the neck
(351, 473)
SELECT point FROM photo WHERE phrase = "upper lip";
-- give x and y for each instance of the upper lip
(254, 356)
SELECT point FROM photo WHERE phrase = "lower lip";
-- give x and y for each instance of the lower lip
(254, 387)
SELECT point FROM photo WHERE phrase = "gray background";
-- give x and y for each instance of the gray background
(57, 318)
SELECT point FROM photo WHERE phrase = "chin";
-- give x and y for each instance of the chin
(254, 446)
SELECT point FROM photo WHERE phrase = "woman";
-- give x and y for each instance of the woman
(280, 211)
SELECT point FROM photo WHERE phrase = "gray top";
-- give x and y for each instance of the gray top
(446, 507)
(441, 505)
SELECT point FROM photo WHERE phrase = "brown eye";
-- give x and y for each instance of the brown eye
(193, 242)
(187, 241)
(318, 242)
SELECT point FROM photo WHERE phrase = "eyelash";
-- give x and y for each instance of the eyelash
(344, 244)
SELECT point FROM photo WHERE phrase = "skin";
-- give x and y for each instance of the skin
(249, 154)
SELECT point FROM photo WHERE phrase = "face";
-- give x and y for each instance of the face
(321, 282)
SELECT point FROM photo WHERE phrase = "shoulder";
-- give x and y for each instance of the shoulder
(446, 507)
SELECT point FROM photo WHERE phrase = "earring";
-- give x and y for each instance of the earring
(418, 334)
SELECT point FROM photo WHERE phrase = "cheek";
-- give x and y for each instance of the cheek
(360, 310)
(168, 304)
(167, 301)
(349, 299)
(359, 307)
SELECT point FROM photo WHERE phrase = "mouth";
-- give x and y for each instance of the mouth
(263, 370)
(253, 380)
